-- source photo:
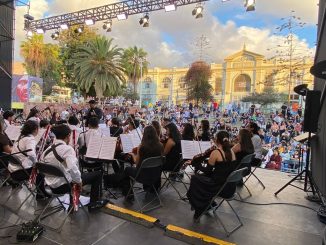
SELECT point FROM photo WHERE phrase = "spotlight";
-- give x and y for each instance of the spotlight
(250, 5)
(64, 26)
(122, 16)
(144, 21)
(107, 26)
(55, 35)
(29, 33)
(170, 7)
(89, 22)
(79, 29)
(198, 12)
(39, 31)
(28, 17)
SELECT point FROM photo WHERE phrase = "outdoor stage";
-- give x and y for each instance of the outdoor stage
(277, 224)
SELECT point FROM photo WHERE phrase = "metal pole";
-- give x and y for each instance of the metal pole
(141, 82)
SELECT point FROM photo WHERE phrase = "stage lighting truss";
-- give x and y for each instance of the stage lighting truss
(120, 10)
(198, 11)
(250, 5)
(144, 21)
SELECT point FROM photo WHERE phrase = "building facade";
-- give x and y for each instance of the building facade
(241, 74)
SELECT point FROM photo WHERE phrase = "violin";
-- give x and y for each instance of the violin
(198, 159)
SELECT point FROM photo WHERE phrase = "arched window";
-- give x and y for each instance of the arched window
(218, 85)
(147, 82)
(182, 82)
(166, 82)
(242, 83)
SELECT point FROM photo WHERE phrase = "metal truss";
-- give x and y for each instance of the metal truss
(106, 12)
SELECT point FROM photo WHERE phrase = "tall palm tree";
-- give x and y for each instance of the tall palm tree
(35, 54)
(98, 64)
(132, 59)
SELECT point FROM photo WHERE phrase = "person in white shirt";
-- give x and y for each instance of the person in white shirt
(64, 115)
(257, 142)
(62, 155)
(26, 141)
(8, 117)
(33, 115)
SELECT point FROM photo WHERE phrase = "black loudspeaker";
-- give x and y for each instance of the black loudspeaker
(311, 113)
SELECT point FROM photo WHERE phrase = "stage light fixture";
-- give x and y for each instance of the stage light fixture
(170, 7)
(250, 5)
(80, 29)
(55, 35)
(39, 31)
(107, 26)
(64, 26)
(122, 16)
(89, 22)
(144, 21)
(198, 12)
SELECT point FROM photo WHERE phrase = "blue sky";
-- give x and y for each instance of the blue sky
(170, 37)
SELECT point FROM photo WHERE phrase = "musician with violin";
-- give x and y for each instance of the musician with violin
(8, 117)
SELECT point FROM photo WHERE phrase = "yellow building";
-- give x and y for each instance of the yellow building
(240, 74)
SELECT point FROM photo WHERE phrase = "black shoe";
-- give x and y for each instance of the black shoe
(97, 205)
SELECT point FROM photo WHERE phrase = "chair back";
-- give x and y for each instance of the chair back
(150, 170)
(236, 175)
(246, 163)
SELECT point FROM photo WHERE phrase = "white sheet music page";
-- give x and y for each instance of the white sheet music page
(13, 132)
(94, 146)
(127, 143)
(105, 131)
(189, 149)
(108, 148)
(205, 145)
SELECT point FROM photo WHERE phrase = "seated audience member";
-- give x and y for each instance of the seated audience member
(203, 187)
(62, 155)
(187, 132)
(26, 141)
(115, 129)
(172, 148)
(245, 146)
(150, 147)
(257, 143)
(275, 161)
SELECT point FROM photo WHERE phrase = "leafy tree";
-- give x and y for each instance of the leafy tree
(131, 60)
(69, 41)
(97, 64)
(197, 79)
(268, 96)
(42, 60)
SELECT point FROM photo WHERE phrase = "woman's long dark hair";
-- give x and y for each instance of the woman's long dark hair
(245, 141)
(205, 125)
(174, 132)
(254, 127)
(188, 132)
(28, 128)
(150, 137)
(157, 127)
(223, 138)
(32, 113)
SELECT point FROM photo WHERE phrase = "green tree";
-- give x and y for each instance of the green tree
(69, 41)
(197, 79)
(131, 60)
(268, 96)
(97, 64)
(42, 60)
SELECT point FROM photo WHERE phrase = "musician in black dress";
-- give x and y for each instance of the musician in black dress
(205, 134)
(203, 187)
(93, 111)
(5, 144)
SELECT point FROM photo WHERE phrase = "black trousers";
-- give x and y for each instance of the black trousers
(23, 174)
(256, 162)
(92, 178)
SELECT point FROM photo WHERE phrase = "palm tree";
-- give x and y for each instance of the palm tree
(132, 59)
(97, 64)
(34, 53)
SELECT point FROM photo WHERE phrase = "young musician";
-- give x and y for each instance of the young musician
(26, 141)
(33, 115)
(5, 142)
(187, 132)
(93, 112)
(93, 129)
(115, 129)
(257, 143)
(8, 117)
(221, 163)
(62, 155)
(205, 134)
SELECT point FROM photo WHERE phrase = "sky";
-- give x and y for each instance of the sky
(170, 40)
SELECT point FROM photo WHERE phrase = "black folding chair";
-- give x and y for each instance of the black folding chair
(252, 173)
(230, 183)
(154, 165)
(246, 163)
(54, 171)
(11, 159)
(176, 179)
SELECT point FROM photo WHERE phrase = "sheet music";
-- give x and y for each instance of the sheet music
(71, 142)
(108, 148)
(191, 148)
(105, 131)
(13, 132)
(127, 142)
(94, 146)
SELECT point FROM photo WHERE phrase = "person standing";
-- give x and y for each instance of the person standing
(93, 111)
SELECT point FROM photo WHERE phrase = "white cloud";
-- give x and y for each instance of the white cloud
(183, 28)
